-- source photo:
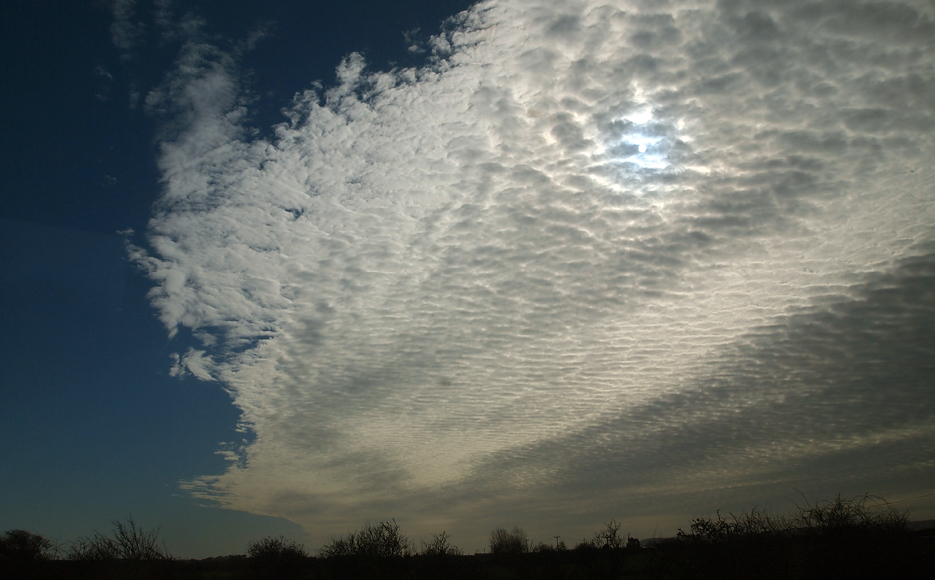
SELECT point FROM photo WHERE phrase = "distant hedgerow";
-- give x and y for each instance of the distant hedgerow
(824, 518)
(862, 537)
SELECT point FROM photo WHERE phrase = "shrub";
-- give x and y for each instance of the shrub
(542, 547)
(821, 519)
(843, 538)
(128, 543)
(277, 557)
(608, 538)
(860, 513)
(343, 546)
(95, 548)
(383, 540)
(504, 542)
(270, 550)
(23, 546)
(440, 546)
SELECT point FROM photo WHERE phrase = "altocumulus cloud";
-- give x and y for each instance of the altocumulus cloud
(591, 258)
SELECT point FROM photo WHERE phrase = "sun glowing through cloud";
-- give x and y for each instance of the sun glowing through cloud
(639, 132)
(649, 147)
(636, 150)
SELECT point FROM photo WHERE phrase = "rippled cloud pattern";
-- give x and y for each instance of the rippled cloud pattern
(590, 259)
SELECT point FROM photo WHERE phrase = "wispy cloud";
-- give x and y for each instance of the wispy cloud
(588, 252)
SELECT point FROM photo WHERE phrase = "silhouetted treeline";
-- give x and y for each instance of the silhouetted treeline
(846, 539)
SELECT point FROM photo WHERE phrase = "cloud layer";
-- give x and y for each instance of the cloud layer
(591, 258)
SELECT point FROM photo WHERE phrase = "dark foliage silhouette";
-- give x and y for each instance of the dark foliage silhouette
(278, 549)
(23, 546)
(542, 547)
(381, 540)
(440, 546)
(852, 539)
(609, 538)
(855, 538)
(277, 557)
(504, 542)
(127, 542)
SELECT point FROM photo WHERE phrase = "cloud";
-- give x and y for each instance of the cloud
(588, 252)
(125, 33)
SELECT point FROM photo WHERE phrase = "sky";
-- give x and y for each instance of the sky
(287, 268)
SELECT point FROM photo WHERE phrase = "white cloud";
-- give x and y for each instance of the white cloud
(589, 251)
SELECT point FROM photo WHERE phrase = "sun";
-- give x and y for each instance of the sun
(638, 147)
(639, 139)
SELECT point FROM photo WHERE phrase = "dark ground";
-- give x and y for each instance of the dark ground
(851, 558)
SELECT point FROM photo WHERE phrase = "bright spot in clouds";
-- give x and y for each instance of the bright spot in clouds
(453, 294)
(640, 118)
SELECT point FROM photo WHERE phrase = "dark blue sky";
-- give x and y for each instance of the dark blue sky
(92, 426)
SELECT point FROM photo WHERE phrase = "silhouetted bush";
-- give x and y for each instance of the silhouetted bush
(504, 542)
(609, 538)
(128, 543)
(277, 557)
(861, 513)
(858, 538)
(278, 549)
(440, 546)
(542, 547)
(97, 548)
(381, 540)
(23, 546)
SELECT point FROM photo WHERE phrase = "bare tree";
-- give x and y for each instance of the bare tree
(440, 546)
(504, 542)
(128, 542)
(381, 540)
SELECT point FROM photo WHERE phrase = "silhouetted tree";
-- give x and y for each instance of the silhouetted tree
(504, 542)
(440, 546)
(23, 546)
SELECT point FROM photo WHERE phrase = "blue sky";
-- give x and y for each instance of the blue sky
(284, 269)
